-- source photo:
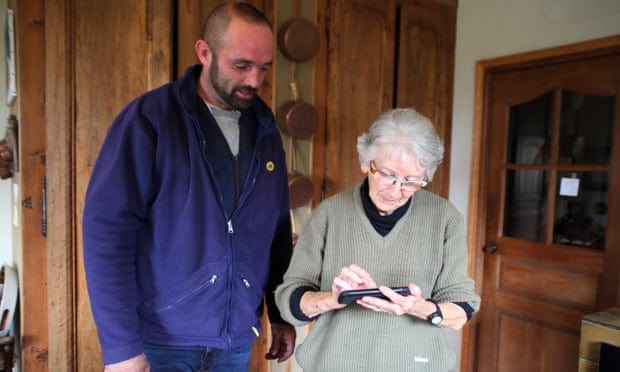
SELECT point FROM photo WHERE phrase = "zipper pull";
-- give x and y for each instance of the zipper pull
(246, 282)
(230, 228)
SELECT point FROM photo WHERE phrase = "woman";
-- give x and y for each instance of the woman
(386, 232)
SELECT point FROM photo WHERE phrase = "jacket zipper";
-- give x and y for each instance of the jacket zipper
(172, 304)
(248, 285)
(229, 225)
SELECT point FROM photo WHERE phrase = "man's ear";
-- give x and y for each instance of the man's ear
(203, 52)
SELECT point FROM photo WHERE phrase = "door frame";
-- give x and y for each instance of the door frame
(477, 214)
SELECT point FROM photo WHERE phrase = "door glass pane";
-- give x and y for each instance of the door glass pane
(585, 128)
(526, 204)
(529, 131)
(581, 209)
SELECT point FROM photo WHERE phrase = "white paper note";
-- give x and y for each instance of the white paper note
(569, 186)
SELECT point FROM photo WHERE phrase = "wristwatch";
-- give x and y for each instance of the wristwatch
(436, 317)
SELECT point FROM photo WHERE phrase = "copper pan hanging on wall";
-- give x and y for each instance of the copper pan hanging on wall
(297, 119)
(300, 189)
(298, 39)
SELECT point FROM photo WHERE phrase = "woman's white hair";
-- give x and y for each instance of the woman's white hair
(404, 131)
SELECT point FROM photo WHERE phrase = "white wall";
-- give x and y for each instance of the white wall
(6, 231)
(494, 28)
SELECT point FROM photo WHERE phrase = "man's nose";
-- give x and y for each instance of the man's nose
(255, 77)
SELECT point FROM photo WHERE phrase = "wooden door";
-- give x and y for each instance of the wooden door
(103, 54)
(379, 55)
(362, 37)
(552, 209)
(426, 69)
(113, 65)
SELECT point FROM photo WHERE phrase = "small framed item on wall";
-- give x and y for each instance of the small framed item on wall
(8, 149)
(9, 47)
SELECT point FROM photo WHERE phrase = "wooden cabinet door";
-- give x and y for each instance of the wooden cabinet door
(426, 71)
(103, 54)
(552, 222)
(116, 59)
(362, 50)
(110, 53)
(380, 55)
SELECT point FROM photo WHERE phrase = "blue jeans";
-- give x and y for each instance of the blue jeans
(198, 358)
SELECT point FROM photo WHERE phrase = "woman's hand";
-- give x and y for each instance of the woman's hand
(352, 277)
(454, 316)
(396, 304)
(313, 303)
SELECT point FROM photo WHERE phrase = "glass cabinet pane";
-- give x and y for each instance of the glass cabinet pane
(581, 209)
(529, 131)
(585, 128)
(525, 204)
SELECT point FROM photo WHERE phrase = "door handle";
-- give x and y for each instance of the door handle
(491, 248)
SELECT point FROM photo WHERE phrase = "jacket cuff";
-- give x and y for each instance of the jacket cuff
(122, 353)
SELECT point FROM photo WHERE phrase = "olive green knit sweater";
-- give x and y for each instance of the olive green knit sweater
(427, 246)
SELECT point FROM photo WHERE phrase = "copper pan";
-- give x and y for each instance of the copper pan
(298, 39)
(297, 119)
(300, 189)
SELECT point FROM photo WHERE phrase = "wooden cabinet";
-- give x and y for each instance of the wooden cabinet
(378, 55)
(102, 55)
(602, 326)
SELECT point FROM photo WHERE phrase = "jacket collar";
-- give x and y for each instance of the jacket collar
(185, 90)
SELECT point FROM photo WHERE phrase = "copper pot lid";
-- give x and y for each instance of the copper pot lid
(298, 39)
(297, 119)
(300, 189)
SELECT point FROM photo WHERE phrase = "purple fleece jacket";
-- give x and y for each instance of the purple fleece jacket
(164, 263)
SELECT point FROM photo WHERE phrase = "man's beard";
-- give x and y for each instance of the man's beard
(228, 98)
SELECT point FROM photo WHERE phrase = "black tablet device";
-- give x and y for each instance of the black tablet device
(349, 297)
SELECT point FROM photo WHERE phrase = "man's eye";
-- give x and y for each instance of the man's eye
(242, 67)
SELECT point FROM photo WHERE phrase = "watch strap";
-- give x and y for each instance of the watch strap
(435, 317)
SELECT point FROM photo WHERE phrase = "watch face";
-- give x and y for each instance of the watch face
(436, 319)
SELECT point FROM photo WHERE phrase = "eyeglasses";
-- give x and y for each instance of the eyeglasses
(385, 179)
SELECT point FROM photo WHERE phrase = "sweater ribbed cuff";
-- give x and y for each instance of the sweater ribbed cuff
(296, 303)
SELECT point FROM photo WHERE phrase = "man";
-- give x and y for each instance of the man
(186, 218)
